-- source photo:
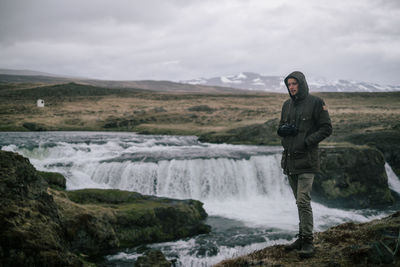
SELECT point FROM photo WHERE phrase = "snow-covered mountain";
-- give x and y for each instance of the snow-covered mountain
(258, 82)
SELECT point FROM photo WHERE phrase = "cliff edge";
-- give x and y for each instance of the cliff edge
(41, 226)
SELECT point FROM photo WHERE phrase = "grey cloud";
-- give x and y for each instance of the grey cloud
(186, 39)
(47, 19)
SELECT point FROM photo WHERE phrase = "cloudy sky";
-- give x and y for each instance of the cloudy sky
(185, 39)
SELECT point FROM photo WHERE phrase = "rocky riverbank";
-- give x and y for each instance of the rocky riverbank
(43, 226)
(367, 244)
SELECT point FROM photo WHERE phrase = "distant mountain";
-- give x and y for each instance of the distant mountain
(240, 83)
(31, 73)
(35, 80)
(258, 82)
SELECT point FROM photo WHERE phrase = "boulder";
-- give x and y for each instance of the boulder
(134, 218)
(54, 179)
(352, 177)
(388, 142)
(31, 231)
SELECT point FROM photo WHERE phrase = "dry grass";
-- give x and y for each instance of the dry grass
(169, 113)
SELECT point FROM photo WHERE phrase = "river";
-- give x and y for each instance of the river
(247, 198)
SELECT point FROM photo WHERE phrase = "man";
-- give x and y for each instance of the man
(304, 123)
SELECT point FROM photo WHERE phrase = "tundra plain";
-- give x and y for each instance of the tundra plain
(359, 118)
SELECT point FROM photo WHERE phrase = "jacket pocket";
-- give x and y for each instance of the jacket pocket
(302, 160)
(299, 144)
(305, 123)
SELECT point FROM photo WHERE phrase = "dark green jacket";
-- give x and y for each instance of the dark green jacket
(310, 115)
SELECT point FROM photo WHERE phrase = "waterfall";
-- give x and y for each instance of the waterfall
(203, 179)
(238, 182)
(393, 180)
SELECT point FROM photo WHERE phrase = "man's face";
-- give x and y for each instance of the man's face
(293, 86)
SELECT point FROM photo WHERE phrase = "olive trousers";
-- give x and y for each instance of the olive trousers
(301, 185)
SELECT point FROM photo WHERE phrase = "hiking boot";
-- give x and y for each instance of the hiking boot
(307, 250)
(295, 245)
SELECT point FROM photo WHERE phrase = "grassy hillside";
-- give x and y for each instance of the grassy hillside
(39, 79)
(82, 107)
(161, 86)
(61, 91)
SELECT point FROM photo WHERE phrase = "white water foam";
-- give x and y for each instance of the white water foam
(187, 260)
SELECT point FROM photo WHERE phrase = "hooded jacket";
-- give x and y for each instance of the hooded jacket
(310, 115)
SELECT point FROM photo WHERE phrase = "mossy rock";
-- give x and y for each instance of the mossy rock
(42, 226)
(54, 179)
(388, 142)
(352, 177)
(31, 232)
(110, 196)
(138, 219)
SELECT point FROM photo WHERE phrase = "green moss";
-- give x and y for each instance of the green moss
(54, 179)
(110, 196)
(63, 91)
(136, 215)
(332, 191)
(130, 237)
(353, 177)
(386, 196)
(139, 219)
(91, 221)
(31, 231)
